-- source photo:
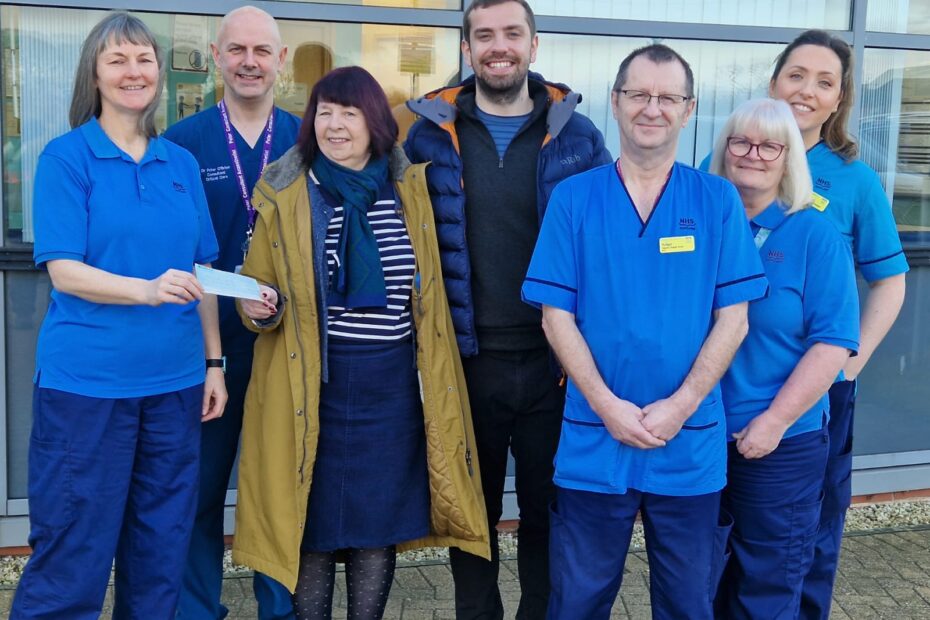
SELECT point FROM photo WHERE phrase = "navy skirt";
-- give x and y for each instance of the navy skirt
(370, 484)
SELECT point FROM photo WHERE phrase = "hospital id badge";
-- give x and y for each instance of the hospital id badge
(819, 202)
(673, 245)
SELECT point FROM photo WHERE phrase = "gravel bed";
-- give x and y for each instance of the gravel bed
(860, 518)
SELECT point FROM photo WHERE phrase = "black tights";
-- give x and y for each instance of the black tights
(369, 575)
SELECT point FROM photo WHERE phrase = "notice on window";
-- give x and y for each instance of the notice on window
(190, 48)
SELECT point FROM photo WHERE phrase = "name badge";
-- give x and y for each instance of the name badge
(672, 245)
(819, 202)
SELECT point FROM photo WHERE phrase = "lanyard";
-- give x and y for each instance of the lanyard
(237, 164)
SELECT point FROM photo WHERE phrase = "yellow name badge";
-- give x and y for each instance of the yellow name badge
(819, 202)
(672, 245)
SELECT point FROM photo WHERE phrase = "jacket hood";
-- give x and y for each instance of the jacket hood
(439, 106)
(290, 166)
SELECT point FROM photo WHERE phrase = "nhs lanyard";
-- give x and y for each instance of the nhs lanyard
(237, 163)
(761, 236)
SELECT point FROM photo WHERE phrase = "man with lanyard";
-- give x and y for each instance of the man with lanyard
(233, 142)
(499, 143)
(643, 269)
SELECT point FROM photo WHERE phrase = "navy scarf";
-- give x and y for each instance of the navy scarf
(358, 278)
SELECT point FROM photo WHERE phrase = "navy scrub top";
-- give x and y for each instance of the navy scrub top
(643, 295)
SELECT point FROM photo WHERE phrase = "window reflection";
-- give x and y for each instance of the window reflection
(894, 133)
(831, 14)
(40, 49)
(725, 74)
(911, 16)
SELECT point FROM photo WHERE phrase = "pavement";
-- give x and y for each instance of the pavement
(884, 573)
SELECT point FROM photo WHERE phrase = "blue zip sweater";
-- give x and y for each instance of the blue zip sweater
(572, 144)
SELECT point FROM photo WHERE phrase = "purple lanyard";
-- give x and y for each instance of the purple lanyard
(237, 165)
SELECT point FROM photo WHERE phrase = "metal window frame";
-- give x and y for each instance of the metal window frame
(874, 473)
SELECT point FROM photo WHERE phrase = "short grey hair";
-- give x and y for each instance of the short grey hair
(117, 27)
(773, 119)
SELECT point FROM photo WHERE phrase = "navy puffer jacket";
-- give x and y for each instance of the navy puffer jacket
(572, 145)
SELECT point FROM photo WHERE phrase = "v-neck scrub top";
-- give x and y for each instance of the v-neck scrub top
(812, 298)
(643, 295)
(94, 204)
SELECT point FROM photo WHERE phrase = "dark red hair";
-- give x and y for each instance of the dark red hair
(350, 86)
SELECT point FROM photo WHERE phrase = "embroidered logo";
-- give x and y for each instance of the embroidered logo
(775, 256)
(571, 159)
(178, 187)
(822, 183)
(686, 223)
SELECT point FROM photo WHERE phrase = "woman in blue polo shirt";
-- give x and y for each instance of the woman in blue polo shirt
(775, 392)
(814, 75)
(120, 385)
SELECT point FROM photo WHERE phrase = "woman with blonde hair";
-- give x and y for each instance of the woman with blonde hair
(775, 391)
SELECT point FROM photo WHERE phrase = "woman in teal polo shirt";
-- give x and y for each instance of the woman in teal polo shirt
(814, 75)
(775, 392)
(120, 385)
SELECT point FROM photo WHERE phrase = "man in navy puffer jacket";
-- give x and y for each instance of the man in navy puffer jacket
(499, 143)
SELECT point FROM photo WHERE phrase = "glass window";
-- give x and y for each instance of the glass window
(40, 49)
(891, 404)
(894, 134)
(832, 14)
(911, 16)
(725, 74)
(406, 4)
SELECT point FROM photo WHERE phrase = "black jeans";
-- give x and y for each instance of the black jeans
(516, 404)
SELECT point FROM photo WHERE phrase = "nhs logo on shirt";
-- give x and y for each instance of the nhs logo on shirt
(686, 223)
(775, 256)
(178, 187)
(821, 183)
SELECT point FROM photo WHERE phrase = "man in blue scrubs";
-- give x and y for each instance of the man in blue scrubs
(643, 268)
(232, 142)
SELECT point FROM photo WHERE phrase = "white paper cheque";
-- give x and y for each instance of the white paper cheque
(227, 284)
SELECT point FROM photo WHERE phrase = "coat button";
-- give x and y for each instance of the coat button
(274, 244)
(293, 356)
(284, 297)
(300, 412)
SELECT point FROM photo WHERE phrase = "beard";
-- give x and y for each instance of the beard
(502, 90)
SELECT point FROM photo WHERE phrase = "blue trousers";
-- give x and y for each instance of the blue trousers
(589, 537)
(203, 575)
(775, 505)
(109, 478)
(837, 495)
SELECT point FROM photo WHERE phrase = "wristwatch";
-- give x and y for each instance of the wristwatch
(219, 362)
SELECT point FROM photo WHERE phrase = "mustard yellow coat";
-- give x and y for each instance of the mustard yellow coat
(281, 426)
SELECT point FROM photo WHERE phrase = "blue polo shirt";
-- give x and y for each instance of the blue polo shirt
(94, 204)
(850, 194)
(202, 135)
(812, 298)
(643, 295)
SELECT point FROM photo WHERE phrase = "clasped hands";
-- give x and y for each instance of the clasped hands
(648, 427)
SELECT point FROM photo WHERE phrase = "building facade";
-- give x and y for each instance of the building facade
(412, 46)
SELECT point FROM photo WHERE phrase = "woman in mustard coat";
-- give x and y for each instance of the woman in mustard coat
(355, 312)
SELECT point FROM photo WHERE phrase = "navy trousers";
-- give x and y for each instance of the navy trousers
(837, 495)
(109, 478)
(203, 574)
(589, 537)
(775, 503)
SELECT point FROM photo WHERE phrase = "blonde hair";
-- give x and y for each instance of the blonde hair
(773, 119)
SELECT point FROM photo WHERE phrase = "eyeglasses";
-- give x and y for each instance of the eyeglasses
(767, 151)
(665, 100)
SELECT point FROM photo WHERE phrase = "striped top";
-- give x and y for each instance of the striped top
(502, 128)
(398, 262)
